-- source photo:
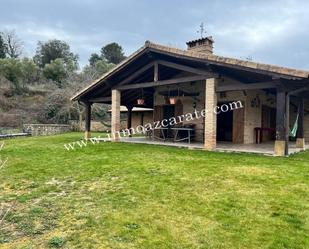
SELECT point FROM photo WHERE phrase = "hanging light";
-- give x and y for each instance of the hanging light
(141, 101)
(171, 99)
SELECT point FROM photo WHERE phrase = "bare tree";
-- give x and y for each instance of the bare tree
(13, 44)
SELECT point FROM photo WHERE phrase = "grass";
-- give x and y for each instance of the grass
(116, 195)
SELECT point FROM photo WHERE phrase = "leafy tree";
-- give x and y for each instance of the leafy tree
(101, 67)
(19, 72)
(2, 48)
(113, 53)
(51, 50)
(13, 45)
(94, 58)
(57, 71)
(97, 70)
(30, 71)
(10, 69)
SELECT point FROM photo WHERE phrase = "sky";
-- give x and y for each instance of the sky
(268, 31)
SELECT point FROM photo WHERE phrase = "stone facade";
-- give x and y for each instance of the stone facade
(252, 111)
(252, 115)
(190, 103)
(46, 129)
(141, 118)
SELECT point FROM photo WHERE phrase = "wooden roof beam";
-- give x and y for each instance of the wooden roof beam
(183, 67)
(136, 73)
(162, 82)
(100, 99)
(253, 86)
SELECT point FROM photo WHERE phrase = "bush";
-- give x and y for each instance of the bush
(57, 108)
(56, 242)
(19, 73)
(56, 71)
(31, 73)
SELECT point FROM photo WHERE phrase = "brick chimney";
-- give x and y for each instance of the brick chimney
(202, 45)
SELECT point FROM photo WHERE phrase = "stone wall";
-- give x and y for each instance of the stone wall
(46, 129)
(190, 103)
(137, 118)
(252, 113)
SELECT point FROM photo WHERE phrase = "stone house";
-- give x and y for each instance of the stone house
(174, 82)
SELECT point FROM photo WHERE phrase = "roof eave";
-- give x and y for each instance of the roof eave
(209, 58)
(105, 76)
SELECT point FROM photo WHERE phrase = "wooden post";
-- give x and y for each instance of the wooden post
(142, 118)
(300, 140)
(116, 97)
(87, 120)
(210, 133)
(287, 124)
(156, 72)
(280, 142)
(129, 118)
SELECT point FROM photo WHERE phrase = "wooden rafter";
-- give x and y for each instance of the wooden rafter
(100, 99)
(299, 90)
(253, 86)
(156, 72)
(162, 82)
(184, 68)
(136, 73)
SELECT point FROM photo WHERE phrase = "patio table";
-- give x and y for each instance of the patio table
(162, 133)
(189, 130)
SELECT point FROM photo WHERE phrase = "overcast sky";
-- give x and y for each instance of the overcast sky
(274, 32)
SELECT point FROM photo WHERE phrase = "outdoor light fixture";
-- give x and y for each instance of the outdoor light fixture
(173, 100)
(141, 101)
(256, 102)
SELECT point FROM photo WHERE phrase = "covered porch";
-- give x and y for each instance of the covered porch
(156, 74)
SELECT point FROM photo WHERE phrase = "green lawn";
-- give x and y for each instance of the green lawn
(115, 195)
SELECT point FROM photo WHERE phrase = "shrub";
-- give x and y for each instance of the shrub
(56, 71)
(56, 242)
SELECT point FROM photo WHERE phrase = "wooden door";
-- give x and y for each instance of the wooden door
(238, 125)
(157, 116)
(178, 110)
(268, 121)
(157, 113)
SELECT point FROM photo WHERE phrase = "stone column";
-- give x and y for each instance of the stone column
(87, 120)
(280, 143)
(210, 133)
(300, 139)
(116, 96)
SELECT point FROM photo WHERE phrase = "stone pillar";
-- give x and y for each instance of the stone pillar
(116, 95)
(210, 133)
(280, 143)
(300, 139)
(87, 120)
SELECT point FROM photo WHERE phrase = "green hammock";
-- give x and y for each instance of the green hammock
(293, 131)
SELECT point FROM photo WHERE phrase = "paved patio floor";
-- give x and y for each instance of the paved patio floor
(263, 148)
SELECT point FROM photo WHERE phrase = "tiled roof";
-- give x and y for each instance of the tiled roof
(209, 58)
